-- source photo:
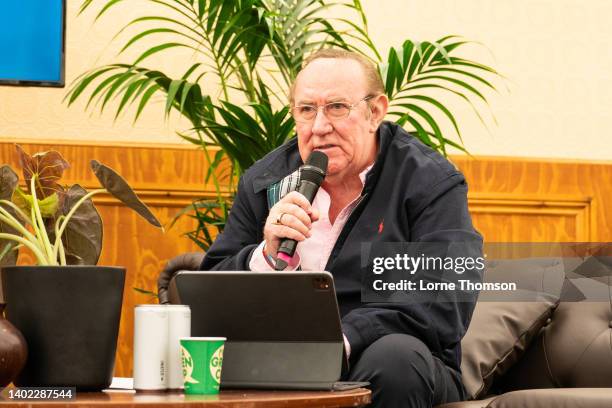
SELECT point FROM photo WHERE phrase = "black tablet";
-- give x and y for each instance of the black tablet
(282, 328)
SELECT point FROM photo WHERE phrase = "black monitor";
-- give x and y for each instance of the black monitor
(32, 42)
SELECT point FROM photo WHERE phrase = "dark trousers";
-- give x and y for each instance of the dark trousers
(403, 373)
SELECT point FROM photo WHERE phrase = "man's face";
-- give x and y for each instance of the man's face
(350, 143)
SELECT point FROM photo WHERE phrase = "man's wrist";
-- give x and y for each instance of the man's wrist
(269, 258)
(258, 261)
(263, 261)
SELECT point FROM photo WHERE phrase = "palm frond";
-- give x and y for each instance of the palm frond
(249, 133)
(415, 73)
(137, 85)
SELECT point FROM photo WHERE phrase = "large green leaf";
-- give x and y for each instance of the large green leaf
(48, 206)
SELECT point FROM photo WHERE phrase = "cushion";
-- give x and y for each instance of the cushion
(505, 323)
(498, 335)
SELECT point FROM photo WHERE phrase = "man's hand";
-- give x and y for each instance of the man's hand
(291, 217)
(189, 261)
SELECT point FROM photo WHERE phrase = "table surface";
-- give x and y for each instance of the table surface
(226, 399)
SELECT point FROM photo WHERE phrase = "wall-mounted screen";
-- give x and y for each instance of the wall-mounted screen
(32, 42)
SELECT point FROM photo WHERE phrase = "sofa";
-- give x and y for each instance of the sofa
(556, 352)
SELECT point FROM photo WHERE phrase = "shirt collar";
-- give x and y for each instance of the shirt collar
(362, 175)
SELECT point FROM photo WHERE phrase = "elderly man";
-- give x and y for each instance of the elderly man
(382, 185)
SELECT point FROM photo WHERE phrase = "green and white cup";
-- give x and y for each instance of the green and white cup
(202, 358)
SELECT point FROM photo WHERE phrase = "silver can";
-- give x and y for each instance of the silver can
(150, 347)
(179, 325)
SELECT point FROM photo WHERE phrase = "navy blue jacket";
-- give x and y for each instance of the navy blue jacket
(417, 195)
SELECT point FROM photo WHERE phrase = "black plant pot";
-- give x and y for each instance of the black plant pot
(69, 316)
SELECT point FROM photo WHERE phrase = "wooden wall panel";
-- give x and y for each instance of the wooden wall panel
(508, 218)
(511, 200)
(515, 199)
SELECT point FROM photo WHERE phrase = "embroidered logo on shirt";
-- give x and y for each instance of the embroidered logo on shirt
(381, 226)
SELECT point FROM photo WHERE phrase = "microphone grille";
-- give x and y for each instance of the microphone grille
(318, 159)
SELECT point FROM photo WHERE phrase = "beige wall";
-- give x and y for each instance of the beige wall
(39, 113)
(555, 54)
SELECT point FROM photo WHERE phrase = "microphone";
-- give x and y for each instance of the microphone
(311, 176)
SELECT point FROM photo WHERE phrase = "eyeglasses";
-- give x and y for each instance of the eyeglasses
(332, 110)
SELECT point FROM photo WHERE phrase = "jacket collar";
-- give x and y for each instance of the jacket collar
(281, 162)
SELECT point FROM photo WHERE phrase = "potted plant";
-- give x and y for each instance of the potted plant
(66, 307)
(251, 51)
